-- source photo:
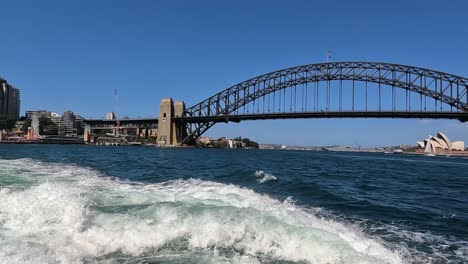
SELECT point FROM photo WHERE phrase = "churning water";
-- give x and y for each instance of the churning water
(83, 204)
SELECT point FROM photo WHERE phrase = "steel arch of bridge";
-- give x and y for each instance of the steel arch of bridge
(445, 88)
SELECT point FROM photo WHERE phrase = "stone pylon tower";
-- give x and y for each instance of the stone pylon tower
(170, 131)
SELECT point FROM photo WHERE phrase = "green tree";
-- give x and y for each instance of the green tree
(26, 124)
(249, 143)
(47, 127)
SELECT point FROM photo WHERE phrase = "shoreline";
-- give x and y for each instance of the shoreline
(442, 154)
(417, 152)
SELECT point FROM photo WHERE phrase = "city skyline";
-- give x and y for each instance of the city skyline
(166, 47)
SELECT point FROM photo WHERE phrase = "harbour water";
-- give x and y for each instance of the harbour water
(84, 204)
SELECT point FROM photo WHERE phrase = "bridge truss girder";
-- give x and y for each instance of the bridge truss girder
(444, 88)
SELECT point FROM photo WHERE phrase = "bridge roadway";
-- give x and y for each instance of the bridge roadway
(462, 116)
(129, 122)
(137, 122)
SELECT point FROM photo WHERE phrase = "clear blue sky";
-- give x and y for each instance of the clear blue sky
(73, 54)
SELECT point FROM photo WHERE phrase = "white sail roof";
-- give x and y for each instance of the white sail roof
(441, 142)
(446, 139)
(458, 145)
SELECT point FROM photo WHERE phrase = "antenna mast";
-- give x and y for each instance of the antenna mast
(115, 111)
(328, 55)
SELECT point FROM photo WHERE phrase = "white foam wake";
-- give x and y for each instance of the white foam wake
(69, 214)
(264, 177)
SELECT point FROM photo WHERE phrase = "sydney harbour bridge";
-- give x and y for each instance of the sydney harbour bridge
(325, 90)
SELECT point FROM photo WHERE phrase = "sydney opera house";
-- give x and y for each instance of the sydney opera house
(442, 142)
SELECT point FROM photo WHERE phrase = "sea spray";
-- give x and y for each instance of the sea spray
(263, 177)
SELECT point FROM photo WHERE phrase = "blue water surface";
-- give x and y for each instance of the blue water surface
(416, 202)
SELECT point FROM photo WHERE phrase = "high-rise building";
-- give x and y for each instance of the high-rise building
(9, 104)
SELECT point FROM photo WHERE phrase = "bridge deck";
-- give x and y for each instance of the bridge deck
(462, 116)
(132, 121)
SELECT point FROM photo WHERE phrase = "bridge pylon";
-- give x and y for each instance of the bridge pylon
(171, 132)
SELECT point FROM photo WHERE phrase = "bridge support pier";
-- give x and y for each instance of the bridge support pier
(170, 131)
(87, 131)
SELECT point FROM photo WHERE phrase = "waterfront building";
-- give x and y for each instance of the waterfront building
(62, 127)
(9, 104)
(67, 124)
(205, 140)
(56, 118)
(441, 141)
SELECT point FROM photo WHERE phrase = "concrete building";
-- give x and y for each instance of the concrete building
(9, 104)
(63, 127)
(111, 116)
(56, 118)
(67, 124)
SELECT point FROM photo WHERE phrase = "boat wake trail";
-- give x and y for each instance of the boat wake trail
(55, 213)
